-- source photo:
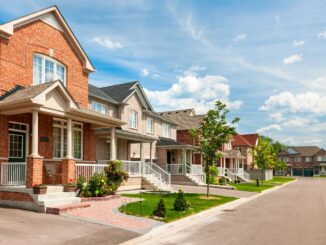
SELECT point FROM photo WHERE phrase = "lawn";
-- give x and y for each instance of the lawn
(198, 203)
(277, 180)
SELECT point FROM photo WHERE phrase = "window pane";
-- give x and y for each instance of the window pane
(57, 142)
(37, 69)
(61, 73)
(77, 144)
(49, 71)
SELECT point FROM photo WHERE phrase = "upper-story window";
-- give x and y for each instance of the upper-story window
(297, 159)
(308, 159)
(99, 107)
(166, 130)
(321, 158)
(133, 119)
(150, 125)
(46, 70)
(285, 159)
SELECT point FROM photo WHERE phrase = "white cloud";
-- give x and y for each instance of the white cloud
(292, 59)
(156, 76)
(322, 34)
(193, 91)
(277, 116)
(303, 102)
(318, 85)
(240, 37)
(144, 72)
(296, 122)
(298, 42)
(107, 42)
(272, 127)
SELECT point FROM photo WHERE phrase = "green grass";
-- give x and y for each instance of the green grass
(277, 180)
(197, 202)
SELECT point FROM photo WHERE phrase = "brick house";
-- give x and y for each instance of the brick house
(304, 160)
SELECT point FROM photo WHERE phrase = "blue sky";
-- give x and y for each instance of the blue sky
(265, 59)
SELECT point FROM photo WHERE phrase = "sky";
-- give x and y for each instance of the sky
(265, 59)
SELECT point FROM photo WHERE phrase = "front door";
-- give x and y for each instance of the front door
(17, 147)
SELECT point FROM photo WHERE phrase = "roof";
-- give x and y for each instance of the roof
(300, 151)
(245, 140)
(166, 142)
(157, 115)
(119, 92)
(185, 119)
(98, 93)
(52, 16)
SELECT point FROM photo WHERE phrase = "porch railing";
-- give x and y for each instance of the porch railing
(88, 170)
(132, 167)
(13, 173)
(176, 169)
(165, 176)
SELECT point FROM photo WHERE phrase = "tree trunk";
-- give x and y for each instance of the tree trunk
(208, 183)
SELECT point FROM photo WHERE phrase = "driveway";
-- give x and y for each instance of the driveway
(212, 190)
(292, 215)
(25, 227)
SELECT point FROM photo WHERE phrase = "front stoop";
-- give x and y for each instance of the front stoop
(61, 209)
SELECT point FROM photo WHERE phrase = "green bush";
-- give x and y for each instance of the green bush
(115, 176)
(95, 187)
(180, 203)
(213, 174)
(223, 181)
(160, 210)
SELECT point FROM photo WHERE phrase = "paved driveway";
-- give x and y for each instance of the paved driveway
(292, 215)
(212, 190)
(25, 227)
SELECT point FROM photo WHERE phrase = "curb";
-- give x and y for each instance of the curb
(199, 217)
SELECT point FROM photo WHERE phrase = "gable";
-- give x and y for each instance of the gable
(291, 151)
(56, 101)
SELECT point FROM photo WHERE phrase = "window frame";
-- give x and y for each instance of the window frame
(168, 127)
(93, 102)
(81, 130)
(297, 159)
(136, 119)
(151, 129)
(45, 58)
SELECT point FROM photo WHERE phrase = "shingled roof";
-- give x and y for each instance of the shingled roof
(98, 93)
(185, 119)
(301, 151)
(119, 92)
(245, 139)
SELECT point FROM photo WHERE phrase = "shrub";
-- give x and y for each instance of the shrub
(115, 176)
(96, 187)
(213, 173)
(223, 181)
(180, 203)
(160, 210)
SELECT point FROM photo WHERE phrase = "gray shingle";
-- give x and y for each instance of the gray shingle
(119, 92)
(98, 93)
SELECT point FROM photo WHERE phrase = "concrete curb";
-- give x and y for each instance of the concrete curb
(198, 218)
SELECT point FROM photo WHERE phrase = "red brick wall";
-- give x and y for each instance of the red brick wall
(16, 59)
(184, 136)
(89, 143)
(3, 136)
(15, 196)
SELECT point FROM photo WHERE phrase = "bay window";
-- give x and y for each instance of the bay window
(133, 119)
(150, 125)
(46, 69)
(166, 131)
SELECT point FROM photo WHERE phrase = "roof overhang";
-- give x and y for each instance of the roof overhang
(123, 134)
(58, 22)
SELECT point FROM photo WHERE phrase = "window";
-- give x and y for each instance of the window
(285, 159)
(150, 125)
(46, 70)
(59, 138)
(16, 145)
(297, 159)
(321, 158)
(308, 159)
(166, 130)
(77, 140)
(99, 107)
(133, 119)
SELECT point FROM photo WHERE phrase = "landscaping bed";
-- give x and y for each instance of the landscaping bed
(251, 186)
(149, 201)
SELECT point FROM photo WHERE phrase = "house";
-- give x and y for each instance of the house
(245, 143)
(304, 160)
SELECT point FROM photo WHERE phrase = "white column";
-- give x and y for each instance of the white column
(224, 162)
(142, 157)
(113, 145)
(190, 159)
(69, 139)
(35, 135)
(150, 152)
(184, 154)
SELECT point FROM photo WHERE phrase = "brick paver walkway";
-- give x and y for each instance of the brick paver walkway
(107, 213)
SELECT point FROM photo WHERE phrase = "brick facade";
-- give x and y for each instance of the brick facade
(16, 58)
(68, 170)
(15, 196)
(34, 171)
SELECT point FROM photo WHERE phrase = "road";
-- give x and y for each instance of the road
(25, 227)
(293, 214)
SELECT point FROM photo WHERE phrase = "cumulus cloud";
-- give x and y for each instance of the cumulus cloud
(292, 59)
(144, 72)
(272, 127)
(277, 116)
(240, 37)
(296, 122)
(298, 42)
(193, 91)
(302, 102)
(107, 43)
(322, 34)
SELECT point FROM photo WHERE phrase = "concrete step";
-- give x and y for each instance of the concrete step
(64, 208)
(54, 189)
(56, 195)
(59, 202)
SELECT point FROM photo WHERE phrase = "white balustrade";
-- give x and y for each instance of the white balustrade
(13, 173)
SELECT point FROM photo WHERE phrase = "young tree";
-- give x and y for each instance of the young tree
(213, 133)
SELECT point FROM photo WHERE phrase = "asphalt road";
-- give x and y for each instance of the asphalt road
(294, 214)
(25, 227)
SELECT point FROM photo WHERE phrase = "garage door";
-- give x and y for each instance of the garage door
(297, 172)
(308, 172)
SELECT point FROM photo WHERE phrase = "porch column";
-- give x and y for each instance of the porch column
(190, 159)
(68, 163)
(184, 158)
(113, 145)
(69, 139)
(141, 152)
(34, 166)
(150, 152)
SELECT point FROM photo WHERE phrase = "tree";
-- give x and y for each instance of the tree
(215, 131)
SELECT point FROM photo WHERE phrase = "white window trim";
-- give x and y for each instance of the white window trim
(136, 119)
(104, 105)
(62, 128)
(44, 57)
(21, 131)
(151, 129)
(22, 141)
(169, 130)
(81, 139)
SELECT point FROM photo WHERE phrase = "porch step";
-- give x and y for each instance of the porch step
(61, 209)
(181, 180)
(54, 189)
(56, 195)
